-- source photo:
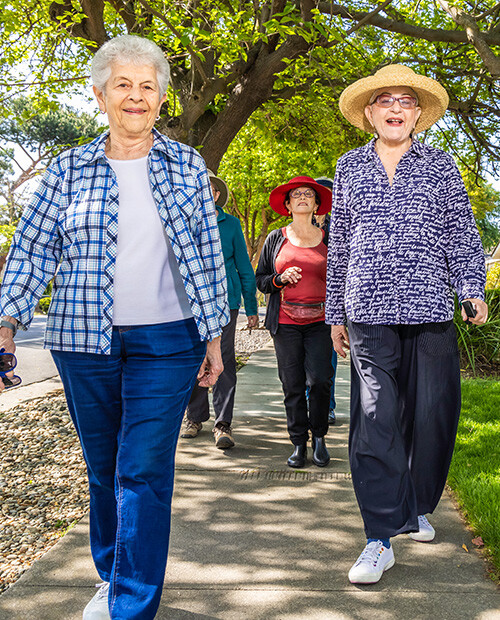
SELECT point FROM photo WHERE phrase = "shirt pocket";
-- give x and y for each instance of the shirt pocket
(186, 200)
(84, 219)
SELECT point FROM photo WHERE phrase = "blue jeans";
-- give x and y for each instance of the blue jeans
(127, 408)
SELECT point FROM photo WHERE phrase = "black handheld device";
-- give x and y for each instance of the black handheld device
(470, 311)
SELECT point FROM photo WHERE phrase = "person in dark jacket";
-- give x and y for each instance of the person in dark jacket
(292, 270)
(240, 281)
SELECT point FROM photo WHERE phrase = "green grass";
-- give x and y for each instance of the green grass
(475, 469)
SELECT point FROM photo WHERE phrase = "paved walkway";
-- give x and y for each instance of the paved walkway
(254, 540)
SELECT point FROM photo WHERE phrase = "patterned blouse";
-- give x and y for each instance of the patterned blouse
(397, 252)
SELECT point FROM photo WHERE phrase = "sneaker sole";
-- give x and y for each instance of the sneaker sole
(422, 537)
(224, 443)
(374, 578)
(188, 436)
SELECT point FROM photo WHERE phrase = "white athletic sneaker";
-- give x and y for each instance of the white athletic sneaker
(97, 608)
(425, 532)
(374, 560)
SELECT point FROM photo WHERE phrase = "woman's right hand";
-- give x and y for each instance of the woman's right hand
(291, 275)
(340, 339)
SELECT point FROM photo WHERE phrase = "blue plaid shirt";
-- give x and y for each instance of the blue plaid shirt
(70, 229)
(398, 252)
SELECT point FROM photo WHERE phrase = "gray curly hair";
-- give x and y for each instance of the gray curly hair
(129, 48)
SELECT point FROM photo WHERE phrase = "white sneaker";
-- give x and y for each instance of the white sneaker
(425, 532)
(97, 608)
(373, 561)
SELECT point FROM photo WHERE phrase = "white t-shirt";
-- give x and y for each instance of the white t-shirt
(148, 286)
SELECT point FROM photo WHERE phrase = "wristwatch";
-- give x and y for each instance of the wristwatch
(9, 325)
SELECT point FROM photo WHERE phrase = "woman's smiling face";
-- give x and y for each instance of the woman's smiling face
(131, 99)
(393, 124)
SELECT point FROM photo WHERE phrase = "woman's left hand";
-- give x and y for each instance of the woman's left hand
(212, 365)
(481, 312)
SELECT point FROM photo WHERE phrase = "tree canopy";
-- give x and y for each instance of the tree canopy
(38, 136)
(229, 57)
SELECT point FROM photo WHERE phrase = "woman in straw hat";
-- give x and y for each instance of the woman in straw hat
(292, 270)
(402, 240)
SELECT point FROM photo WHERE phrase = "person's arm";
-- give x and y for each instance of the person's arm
(212, 365)
(463, 247)
(338, 254)
(267, 278)
(35, 252)
(245, 272)
(32, 260)
(210, 249)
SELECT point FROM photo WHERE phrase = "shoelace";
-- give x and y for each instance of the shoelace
(371, 554)
(423, 522)
(103, 590)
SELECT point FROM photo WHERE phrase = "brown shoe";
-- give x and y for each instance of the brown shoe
(223, 437)
(191, 429)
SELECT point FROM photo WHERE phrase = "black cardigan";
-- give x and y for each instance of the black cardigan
(268, 279)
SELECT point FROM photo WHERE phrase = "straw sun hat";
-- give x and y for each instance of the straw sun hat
(220, 185)
(432, 97)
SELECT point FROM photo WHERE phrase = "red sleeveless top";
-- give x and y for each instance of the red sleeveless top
(311, 288)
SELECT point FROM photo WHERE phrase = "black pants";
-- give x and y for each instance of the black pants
(223, 391)
(405, 405)
(304, 354)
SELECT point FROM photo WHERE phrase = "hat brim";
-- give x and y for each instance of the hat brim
(278, 195)
(432, 97)
(221, 186)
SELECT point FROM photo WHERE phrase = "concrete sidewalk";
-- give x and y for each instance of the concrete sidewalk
(254, 540)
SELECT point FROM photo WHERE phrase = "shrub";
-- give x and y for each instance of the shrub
(493, 277)
(44, 304)
(480, 346)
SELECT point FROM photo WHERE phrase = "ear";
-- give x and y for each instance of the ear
(162, 100)
(101, 100)
(418, 112)
(368, 114)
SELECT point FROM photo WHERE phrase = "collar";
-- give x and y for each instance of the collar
(96, 149)
(221, 214)
(417, 149)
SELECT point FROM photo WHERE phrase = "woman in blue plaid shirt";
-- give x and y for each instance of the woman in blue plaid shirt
(127, 225)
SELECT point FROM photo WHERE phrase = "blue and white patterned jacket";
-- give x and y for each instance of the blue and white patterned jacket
(396, 253)
(70, 229)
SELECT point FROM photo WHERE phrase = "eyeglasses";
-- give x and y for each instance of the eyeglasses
(386, 101)
(297, 193)
(8, 362)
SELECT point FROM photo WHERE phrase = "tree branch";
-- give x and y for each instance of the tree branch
(194, 57)
(91, 28)
(400, 27)
(474, 35)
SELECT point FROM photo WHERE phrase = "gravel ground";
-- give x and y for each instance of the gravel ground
(43, 482)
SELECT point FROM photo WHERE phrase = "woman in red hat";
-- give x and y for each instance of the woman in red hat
(292, 270)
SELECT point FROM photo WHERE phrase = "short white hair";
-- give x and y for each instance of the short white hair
(129, 49)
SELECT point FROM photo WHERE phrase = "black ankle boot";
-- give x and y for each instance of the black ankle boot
(298, 458)
(321, 458)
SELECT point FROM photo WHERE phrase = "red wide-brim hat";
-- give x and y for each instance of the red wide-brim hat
(278, 195)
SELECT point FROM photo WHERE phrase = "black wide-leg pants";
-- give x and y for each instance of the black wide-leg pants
(405, 405)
